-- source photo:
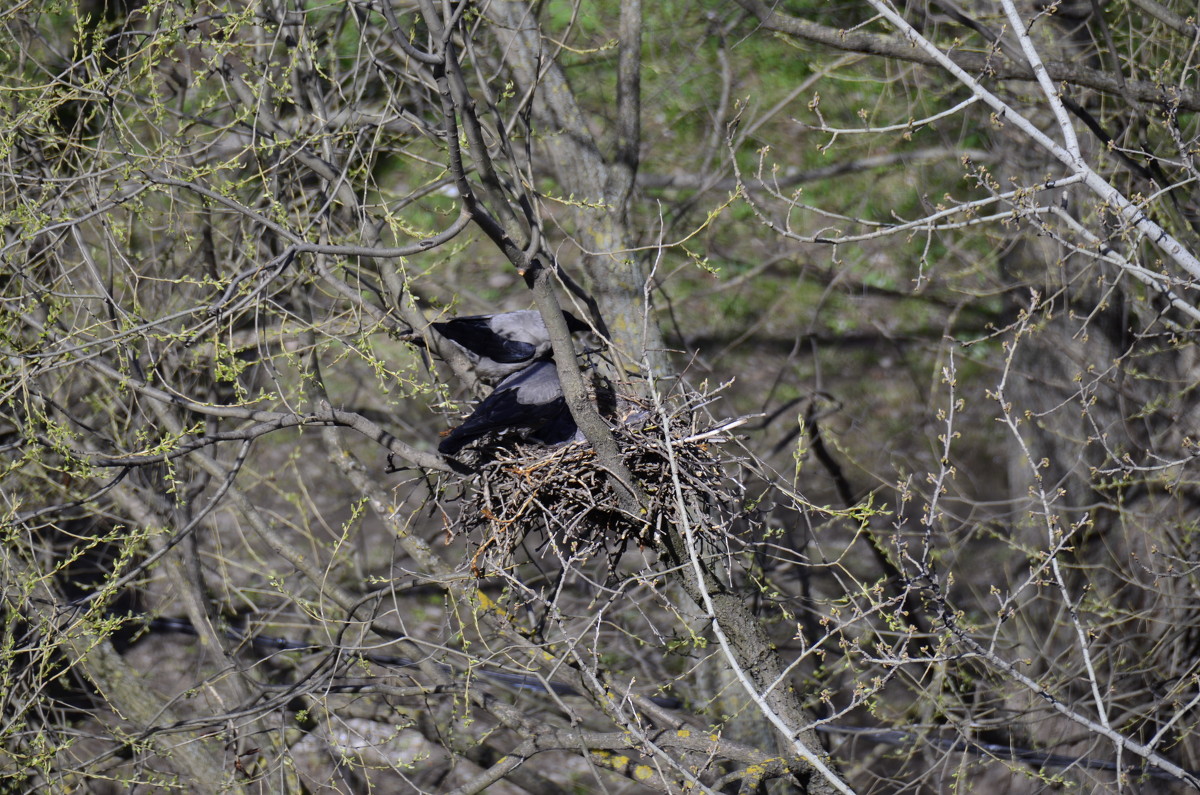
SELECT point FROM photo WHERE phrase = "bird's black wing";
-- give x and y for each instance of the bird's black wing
(557, 429)
(501, 411)
(474, 334)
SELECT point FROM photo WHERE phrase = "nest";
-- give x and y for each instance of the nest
(564, 498)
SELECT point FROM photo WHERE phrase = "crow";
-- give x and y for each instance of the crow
(503, 344)
(529, 401)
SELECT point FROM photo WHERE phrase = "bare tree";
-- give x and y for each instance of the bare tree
(888, 411)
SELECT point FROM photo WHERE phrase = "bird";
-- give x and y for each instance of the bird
(506, 343)
(529, 402)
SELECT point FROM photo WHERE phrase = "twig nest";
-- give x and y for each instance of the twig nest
(563, 498)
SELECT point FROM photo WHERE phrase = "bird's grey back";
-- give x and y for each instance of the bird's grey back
(525, 325)
(535, 385)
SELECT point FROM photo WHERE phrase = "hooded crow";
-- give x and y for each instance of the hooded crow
(530, 402)
(503, 344)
